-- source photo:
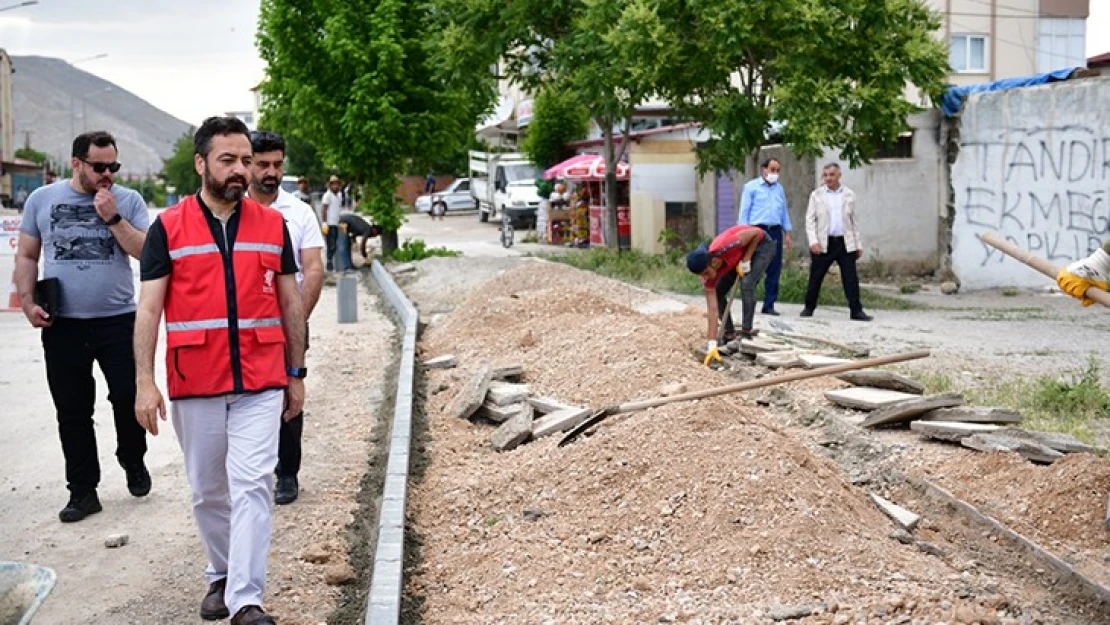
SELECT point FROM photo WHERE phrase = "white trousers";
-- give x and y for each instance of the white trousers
(230, 445)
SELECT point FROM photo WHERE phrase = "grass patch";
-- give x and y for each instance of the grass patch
(417, 249)
(1072, 404)
(1010, 292)
(667, 272)
(908, 289)
(531, 237)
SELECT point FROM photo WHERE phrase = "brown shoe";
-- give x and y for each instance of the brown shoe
(212, 608)
(252, 615)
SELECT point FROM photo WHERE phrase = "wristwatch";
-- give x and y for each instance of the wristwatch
(114, 220)
(297, 372)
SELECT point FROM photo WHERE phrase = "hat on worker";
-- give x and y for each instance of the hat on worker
(333, 179)
(698, 259)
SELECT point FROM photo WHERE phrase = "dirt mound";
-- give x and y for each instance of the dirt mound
(700, 510)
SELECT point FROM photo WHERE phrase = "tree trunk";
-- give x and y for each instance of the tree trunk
(389, 243)
(611, 194)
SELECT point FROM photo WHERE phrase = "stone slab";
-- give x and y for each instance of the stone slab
(881, 379)
(754, 347)
(907, 410)
(500, 414)
(441, 362)
(505, 393)
(904, 518)
(816, 361)
(546, 405)
(866, 398)
(973, 414)
(785, 359)
(1034, 452)
(513, 432)
(471, 397)
(559, 421)
(1065, 443)
(954, 431)
(507, 371)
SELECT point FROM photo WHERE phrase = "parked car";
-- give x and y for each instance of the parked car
(456, 197)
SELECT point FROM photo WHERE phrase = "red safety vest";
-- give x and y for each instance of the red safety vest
(223, 319)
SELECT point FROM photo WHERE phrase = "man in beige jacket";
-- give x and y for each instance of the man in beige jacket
(833, 235)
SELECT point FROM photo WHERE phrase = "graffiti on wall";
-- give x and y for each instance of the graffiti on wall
(1044, 188)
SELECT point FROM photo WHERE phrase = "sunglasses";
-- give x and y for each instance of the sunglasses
(102, 167)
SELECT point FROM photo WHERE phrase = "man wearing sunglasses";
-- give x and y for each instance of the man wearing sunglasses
(87, 228)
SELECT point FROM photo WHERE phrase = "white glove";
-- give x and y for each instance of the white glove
(711, 346)
(745, 267)
(1094, 267)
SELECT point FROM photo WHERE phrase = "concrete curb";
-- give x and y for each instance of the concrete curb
(386, 582)
(1093, 589)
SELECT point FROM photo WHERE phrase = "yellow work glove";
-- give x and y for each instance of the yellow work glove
(1076, 286)
(324, 228)
(711, 353)
(744, 268)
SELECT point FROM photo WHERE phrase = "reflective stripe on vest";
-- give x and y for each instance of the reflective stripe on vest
(257, 247)
(216, 324)
(193, 250)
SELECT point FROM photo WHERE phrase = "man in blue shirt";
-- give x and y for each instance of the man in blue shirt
(763, 204)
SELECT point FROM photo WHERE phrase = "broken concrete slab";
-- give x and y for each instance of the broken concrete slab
(785, 359)
(441, 362)
(504, 393)
(500, 414)
(881, 379)
(1065, 443)
(559, 421)
(866, 398)
(816, 361)
(507, 371)
(470, 397)
(546, 405)
(954, 431)
(780, 613)
(904, 518)
(907, 410)
(669, 390)
(1034, 452)
(756, 346)
(973, 414)
(514, 431)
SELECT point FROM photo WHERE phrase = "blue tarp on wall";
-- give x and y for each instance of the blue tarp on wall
(953, 99)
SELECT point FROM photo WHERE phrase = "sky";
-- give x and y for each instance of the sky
(195, 58)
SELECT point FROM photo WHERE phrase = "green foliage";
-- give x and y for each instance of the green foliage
(909, 288)
(152, 190)
(832, 74)
(180, 170)
(417, 249)
(33, 155)
(794, 280)
(1080, 392)
(558, 119)
(360, 78)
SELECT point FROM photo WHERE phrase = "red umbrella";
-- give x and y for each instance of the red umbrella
(585, 167)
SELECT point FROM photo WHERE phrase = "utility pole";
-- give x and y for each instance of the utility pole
(27, 138)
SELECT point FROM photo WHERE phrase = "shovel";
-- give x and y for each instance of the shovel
(636, 406)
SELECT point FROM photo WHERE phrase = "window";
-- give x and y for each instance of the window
(463, 186)
(968, 53)
(901, 148)
(1060, 43)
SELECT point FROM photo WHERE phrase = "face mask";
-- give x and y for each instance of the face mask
(772, 178)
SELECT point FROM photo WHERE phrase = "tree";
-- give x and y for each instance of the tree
(358, 77)
(33, 155)
(830, 73)
(180, 170)
(559, 119)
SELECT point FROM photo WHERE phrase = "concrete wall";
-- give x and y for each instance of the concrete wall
(899, 201)
(663, 170)
(1034, 166)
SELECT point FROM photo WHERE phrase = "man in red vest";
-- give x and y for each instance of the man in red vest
(742, 252)
(223, 269)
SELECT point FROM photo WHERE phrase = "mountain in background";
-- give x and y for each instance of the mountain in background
(56, 102)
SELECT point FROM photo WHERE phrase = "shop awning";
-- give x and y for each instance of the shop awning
(585, 167)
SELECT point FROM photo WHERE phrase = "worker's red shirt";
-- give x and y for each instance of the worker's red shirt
(726, 253)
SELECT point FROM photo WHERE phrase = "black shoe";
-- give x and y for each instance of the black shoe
(252, 615)
(212, 607)
(80, 507)
(770, 311)
(287, 490)
(806, 312)
(138, 479)
(861, 316)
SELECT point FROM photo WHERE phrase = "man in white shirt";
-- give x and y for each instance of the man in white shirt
(330, 207)
(267, 169)
(833, 238)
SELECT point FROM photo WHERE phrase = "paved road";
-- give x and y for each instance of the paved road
(463, 232)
